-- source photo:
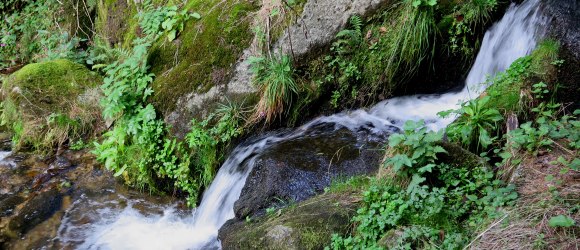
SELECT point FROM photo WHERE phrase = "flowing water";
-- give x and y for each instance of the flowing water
(122, 223)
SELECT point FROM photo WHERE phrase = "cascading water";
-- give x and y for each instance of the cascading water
(125, 227)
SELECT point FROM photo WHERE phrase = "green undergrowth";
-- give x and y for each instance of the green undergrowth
(425, 198)
(138, 146)
(50, 103)
(40, 31)
(421, 201)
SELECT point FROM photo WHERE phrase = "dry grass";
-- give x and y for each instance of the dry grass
(526, 226)
(265, 23)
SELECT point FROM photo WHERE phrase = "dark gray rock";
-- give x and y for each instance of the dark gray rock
(35, 211)
(7, 204)
(295, 170)
(564, 26)
(564, 18)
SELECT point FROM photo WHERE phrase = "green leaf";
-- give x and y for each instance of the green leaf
(395, 139)
(196, 15)
(416, 3)
(561, 221)
(120, 171)
(575, 164)
(427, 168)
(172, 34)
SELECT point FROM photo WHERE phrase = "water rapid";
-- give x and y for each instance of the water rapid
(120, 225)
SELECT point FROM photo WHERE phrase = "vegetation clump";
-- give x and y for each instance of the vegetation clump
(275, 79)
(34, 31)
(427, 199)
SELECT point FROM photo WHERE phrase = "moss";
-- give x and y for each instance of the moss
(505, 91)
(43, 105)
(203, 54)
(308, 225)
(116, 22)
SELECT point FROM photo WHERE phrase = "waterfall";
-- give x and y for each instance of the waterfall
(512, 37)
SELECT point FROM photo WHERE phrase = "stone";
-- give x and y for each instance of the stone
(298, 169)
(35, 211)
(305, 225)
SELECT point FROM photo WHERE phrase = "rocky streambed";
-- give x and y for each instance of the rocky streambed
(44, 201)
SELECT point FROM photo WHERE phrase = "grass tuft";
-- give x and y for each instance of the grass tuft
(274, 77)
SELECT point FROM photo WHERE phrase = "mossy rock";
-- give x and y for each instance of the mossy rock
(116, 22)
(306, 225)
(511, 90)
(202, 57)
(46, 103)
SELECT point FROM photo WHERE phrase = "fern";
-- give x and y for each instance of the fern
(354, 34)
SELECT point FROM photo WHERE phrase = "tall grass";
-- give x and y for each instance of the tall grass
(412, 40)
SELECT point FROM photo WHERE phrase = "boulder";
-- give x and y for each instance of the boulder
(319, 23)
(564, 27)
(298, 169)
(307, 225)
(49, 102)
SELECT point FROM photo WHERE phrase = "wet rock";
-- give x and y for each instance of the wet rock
(295, 170)
(35, 211)
(61, 163)
(564, 17)
(5, 141)
(308, 225)
(564, 26)
(7, 204)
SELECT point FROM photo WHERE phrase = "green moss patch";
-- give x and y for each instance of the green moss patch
(116, 22)
(511, 90)
(307, 225)
(47, 103)
(203, 55)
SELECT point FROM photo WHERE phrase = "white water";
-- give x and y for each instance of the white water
(4, 154)
(126, 228)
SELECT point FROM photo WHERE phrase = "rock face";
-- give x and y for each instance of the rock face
(203, 88)
(321, 20)
(564, 26)
(308, 225)
(299, 169)
(564, 18)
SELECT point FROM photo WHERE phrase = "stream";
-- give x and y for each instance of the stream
(113, 219)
